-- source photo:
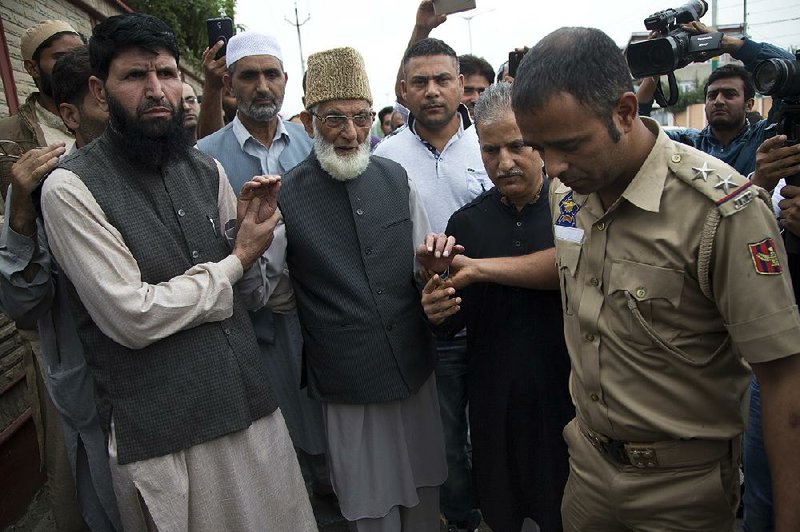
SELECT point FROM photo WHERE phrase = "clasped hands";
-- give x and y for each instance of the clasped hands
(257, 215)
(440, 254)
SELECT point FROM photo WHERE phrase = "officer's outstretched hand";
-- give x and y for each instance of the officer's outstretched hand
(439, 301)
(437, 252)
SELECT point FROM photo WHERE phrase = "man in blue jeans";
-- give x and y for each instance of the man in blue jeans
(733, 139)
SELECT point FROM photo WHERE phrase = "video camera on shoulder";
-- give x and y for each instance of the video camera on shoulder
(674, 49)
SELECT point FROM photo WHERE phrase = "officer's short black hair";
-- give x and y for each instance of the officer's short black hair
(558, 64)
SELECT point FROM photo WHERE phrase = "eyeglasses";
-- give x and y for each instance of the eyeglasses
(190, 99)
(339, 121)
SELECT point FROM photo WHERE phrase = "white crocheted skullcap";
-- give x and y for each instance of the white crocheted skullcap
(252, 43)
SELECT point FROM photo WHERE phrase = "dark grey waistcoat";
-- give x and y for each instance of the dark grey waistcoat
(200, 383)
(350, 254)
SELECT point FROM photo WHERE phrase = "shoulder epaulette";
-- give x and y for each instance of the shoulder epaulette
(725, 187)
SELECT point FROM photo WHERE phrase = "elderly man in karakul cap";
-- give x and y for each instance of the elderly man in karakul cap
(369, 355)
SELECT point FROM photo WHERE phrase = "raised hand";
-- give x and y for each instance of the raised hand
(214, 69)
(426, 17)
(34, 164)
(263, 187)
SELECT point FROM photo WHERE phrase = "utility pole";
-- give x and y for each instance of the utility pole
(714, 4)
(469, 18)
(744, 17)
(297, 25)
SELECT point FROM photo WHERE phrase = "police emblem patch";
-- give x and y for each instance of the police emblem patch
(765, 259)
(567, 208)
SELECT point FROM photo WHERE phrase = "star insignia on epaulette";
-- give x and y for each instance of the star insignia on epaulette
(725, 183)
(702, 173)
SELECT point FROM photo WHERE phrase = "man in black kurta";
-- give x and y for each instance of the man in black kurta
(518, 362)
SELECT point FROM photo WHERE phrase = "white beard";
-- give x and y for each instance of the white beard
(341, 168)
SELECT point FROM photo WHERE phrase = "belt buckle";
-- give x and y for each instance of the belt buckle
(643, 457)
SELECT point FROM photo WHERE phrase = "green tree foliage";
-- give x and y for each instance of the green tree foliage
(187, 20)
(686, 97)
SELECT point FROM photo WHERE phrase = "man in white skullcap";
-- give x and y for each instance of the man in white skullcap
(259, 141)
(352, 221)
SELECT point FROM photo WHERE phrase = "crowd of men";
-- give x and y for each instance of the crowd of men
(522, 302)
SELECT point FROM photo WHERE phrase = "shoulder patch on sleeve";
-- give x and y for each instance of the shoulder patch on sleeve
(765, 258)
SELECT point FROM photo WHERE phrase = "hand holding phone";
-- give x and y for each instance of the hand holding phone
(444, 7)
(514, 59)
(219, 29)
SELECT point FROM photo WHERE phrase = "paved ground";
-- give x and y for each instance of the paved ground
(40, 519)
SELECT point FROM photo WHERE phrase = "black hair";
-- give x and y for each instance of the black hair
(37, 54)
(132, 30)
(469, 65)
(583, 62)
(71, 76)
(733, 71)
(383, 112)
(429, 47)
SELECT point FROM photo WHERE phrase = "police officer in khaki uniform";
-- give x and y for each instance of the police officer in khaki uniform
(672, 279)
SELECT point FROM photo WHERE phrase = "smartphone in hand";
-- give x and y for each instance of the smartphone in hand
(219, 29)
(513, 62)
(445, 7)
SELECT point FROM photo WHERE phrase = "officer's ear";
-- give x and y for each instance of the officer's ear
(308, 122)
(748, 105)
(626, 112)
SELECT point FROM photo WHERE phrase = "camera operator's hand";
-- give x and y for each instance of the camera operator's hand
(790, 209)
(775, 161)
(728, 45)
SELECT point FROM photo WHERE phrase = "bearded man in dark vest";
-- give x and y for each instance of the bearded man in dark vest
(351, 224)
(153, 243)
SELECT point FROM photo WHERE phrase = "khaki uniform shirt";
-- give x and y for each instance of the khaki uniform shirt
(641, 257)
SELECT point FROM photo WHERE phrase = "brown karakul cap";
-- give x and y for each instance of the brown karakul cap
(35, 36)
(336, 74)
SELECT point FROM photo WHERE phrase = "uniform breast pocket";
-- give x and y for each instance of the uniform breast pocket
(651, 295)
(567, 256)
(477, 181)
